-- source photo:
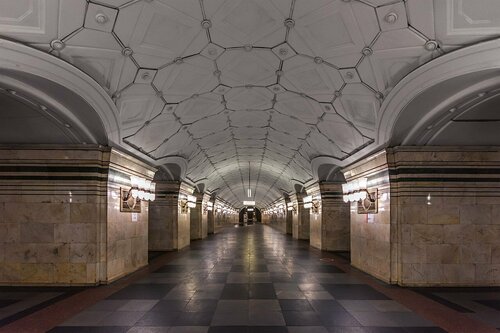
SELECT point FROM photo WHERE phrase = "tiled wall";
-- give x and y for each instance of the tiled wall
(371, 246)
(54, 216)
(127, 236)
(184, 220)
(277, 221)
(438, 220)
(330, 227)
(453, 236)
(195, 217)
(315, 218)
(301, 219)
(163, 216)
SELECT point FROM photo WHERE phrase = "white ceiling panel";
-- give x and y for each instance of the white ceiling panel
(224, 82)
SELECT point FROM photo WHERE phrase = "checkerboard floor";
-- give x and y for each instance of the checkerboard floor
(250, 279)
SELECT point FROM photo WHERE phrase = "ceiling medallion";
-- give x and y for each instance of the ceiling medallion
(101, 18)
(318, 60)
(146, 76)
(127, 51)
(212, 51)
(349, 75)
(206, 24)
(367, 51)
(391, 18)
(289, 23)
(283, 51)
(431, 45)
(57, 44)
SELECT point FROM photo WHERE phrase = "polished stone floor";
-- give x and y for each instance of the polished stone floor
(249, 279)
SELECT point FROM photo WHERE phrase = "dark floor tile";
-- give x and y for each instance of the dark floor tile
(340, 329)
(169, 305)
(384, 330)
(343, 318)
(267, 329)
(258, 268)
(295, 305)
(228, 329)
(423, 330)
(89, 329)
(325, 269)
(354, 292)
(280, 277)
(201, 305)
(235, 291)
(240, 268)
(143, 291)
(301, 318)
(216, 278)
(159, 319)
(262, 291)
(194, 319)
(326, 306)
(174, 269)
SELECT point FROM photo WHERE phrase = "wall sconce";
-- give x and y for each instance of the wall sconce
(356, 190)
(312, 203)
(186, 202)
(291, 207)
(209, 206)
(140, 189)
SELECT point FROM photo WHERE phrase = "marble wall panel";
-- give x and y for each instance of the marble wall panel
(59, 216)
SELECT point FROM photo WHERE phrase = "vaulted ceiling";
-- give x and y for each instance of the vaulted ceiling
(248, 87)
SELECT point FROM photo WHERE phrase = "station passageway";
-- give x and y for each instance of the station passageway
(256, 279)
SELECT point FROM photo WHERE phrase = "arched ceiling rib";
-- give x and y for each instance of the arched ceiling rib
(221, 83)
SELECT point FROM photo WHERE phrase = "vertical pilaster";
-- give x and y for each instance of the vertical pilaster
(333, 219)
(211, 218)
(301, 219)
(163, 217)
(196, 216)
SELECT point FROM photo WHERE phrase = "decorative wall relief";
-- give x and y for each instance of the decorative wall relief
(369, 205)
(129, 204)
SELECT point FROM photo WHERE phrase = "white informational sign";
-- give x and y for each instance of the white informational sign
(135, 217)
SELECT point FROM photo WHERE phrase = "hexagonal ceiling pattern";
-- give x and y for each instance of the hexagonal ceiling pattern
(245, 88)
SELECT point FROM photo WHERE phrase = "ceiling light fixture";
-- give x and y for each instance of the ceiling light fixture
(249, 191)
